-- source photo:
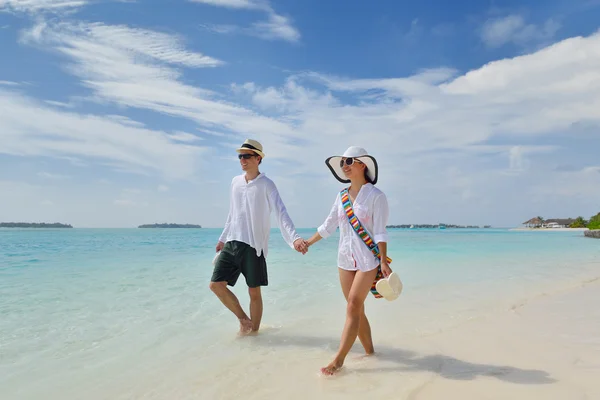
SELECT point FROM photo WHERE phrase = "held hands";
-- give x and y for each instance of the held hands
(301, 246)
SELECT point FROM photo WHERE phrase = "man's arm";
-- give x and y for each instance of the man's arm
(227, 226)
(288, 231)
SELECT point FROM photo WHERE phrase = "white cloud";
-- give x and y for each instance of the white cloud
(163, 188)
(114, 75)
(242, 4)
(8, 83)
(483, 141)
(124, 202)
(276, 27)
(513, 28)
(421, 125)
(49, 175)
(30, 128)
(184, 137)
(33, 6)
(120, 41)
(58, 104)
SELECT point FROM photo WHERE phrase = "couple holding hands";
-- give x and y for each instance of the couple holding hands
(360, 211)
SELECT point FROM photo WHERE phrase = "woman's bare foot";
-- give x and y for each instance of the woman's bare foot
(364, 356)
(245, 326)
(332, 368)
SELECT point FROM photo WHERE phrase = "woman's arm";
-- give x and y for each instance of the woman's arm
(385, 267)
(314, 239)
(380, 218)
(329, 226)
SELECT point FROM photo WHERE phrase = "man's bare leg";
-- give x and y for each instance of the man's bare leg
(356, 298)
(364, 329)
(256, 307)
(232, 303)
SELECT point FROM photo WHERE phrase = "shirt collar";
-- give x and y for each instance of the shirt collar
(260, 175)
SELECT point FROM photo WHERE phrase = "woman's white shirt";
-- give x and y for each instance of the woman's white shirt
(371, 208)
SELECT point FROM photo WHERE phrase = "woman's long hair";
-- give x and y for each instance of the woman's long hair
(367, 177)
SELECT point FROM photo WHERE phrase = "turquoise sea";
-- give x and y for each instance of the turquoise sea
(127, 314)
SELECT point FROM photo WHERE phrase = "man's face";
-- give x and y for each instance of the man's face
(249, 160)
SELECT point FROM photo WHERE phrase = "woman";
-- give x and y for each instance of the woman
(358, 263)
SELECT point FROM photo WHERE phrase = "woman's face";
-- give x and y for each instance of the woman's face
(355, 170)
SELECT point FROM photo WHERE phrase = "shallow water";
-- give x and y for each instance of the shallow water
(126, 313)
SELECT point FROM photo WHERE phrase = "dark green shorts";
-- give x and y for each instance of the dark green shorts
(237, 257)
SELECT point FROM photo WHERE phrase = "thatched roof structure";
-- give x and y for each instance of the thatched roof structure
(534, 221)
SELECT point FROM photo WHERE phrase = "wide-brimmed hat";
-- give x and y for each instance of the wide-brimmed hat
(253, 145)
(361, 154)
(389, 288)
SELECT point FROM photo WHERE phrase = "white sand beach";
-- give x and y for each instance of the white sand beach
(543, 347)
(550, 229)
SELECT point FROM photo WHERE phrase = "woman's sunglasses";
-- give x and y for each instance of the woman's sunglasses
(246, 156)
(348, 161)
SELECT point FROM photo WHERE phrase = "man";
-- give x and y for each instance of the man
(243, 244)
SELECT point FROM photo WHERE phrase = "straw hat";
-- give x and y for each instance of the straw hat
(253, 145)
(361, 154)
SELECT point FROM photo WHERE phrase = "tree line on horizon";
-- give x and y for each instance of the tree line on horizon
(33, 225)
(580, 222)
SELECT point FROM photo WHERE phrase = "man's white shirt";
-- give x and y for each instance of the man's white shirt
(250, 207)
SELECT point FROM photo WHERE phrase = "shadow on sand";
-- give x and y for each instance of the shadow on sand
(445, 366)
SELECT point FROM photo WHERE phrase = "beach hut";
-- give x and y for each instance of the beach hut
(558, 222)
(533, 223)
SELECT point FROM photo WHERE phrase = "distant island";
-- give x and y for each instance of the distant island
(170, 226)
(33, 225)
(436, 226)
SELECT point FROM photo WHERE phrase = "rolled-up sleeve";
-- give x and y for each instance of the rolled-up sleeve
(381, 214)
(331, 222)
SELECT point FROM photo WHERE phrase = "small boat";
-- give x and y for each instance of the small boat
(442, 226)
(412, 227)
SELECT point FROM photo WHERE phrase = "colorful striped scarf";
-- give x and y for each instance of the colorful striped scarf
(364, 235)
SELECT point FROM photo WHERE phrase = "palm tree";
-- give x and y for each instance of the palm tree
(542, 221)
(594, 222)
(578, 223)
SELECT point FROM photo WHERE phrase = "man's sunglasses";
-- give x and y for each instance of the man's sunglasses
(246, 156)
(348, 161)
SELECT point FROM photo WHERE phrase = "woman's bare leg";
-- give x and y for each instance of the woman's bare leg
(359, 290)
(364, 329)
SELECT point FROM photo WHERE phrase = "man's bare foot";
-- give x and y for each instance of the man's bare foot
(332, 368)
(245, 326)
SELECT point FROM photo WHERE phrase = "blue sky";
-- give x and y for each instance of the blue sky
(118, 113)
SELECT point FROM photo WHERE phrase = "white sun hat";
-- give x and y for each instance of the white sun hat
(390, 287)
(333, 163)
(216, 257)
(253, 145)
